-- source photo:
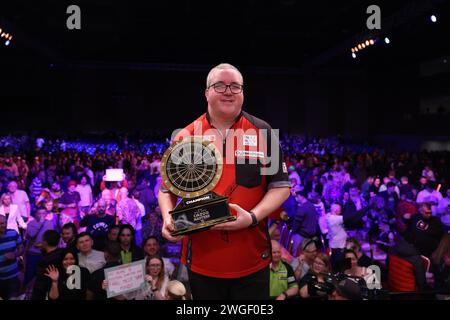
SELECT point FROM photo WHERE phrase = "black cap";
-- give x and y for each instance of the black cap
(302, 193)
(349, 289)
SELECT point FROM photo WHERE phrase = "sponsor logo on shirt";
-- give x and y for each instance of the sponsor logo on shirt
(250, 140)
(249, 154)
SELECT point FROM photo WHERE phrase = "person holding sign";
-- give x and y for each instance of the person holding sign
(156, 282)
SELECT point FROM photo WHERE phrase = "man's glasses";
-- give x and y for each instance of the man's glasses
(221, 87)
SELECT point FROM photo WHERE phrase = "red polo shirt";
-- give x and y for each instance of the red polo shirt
(234, 254)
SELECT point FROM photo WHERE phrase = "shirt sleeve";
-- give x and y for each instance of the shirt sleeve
(276, 170)
(292, 282)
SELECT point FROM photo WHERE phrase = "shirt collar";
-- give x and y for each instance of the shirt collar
(238, 117)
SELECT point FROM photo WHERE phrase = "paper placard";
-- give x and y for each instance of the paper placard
(125, 278)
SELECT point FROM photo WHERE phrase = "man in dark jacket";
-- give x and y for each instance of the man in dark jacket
(305, 221)
(426, 229)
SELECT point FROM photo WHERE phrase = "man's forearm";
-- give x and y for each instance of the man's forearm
(273, 199)
(167, 202)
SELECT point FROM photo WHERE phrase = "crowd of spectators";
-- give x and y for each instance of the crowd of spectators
(57, 210)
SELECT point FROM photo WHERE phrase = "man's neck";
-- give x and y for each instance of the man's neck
(221, 122)
(87, 252)
(126, 247)
(275, 264)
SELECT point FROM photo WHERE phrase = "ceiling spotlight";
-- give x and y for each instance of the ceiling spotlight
(353, 49)
(10, 37)
(367, 43)
(387, 40)
(359, 46)
(354, 55)
(7, 43)
(356, 49)
(433, 18)
(363, 45)
(371, 42)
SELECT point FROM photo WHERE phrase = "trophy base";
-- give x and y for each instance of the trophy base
(198, 214)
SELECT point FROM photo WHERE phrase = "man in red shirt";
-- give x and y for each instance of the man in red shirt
(231, 260)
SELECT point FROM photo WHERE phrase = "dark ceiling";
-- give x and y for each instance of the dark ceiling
(281, 33)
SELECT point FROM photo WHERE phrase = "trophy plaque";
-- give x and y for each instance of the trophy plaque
(190, 169)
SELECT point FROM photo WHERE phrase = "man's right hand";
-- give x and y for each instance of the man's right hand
(167, 228)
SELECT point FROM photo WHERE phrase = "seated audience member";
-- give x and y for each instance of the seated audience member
(50, 257)
(96, 289)
(441, 265)
(152, 249)
(426, 229)
(405, 249)
(69, 236)
(89, 258)
(444, 211)
(282, 278)
(347, 289)
(130, 251)
(156, 282)
(275, 234)
(176, 290)
(59, 276)
(354, 245)
(313, 283)
(431, 196)
(355, 270)
(303, 263)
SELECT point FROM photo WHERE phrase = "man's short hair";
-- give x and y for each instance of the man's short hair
(222, 66)
(52, 238)
(84, 234)
(71, 225)
(391, 184)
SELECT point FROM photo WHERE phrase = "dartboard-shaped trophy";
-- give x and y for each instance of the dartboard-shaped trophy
(190, 169)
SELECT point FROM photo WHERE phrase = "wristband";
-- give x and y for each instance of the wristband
(254, 220)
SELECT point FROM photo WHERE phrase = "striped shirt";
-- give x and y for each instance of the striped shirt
(9, 242)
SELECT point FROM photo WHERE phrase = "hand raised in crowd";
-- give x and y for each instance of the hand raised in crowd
(244, 220)
(105, 284)
(53, 273)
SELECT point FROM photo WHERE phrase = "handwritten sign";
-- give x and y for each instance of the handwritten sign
(125, 278)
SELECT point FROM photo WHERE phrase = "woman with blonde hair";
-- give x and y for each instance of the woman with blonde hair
(11, 212)
(315, 277)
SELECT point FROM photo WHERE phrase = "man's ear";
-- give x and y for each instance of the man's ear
(207, 94)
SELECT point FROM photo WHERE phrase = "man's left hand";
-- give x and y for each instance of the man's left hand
(244, 220)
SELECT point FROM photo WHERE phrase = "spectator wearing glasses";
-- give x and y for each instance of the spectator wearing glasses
(303, 263)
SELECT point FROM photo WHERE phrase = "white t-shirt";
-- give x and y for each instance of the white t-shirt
(336, 231)
(142, 210)
(20, 198)
(85, 195)
(426, 196)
